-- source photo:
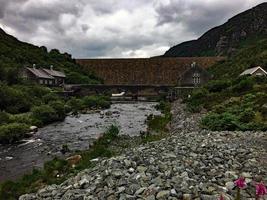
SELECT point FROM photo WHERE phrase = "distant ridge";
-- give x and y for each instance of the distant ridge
(224, 40)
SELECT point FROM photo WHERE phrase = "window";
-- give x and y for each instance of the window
(41, 81)
(196, 78)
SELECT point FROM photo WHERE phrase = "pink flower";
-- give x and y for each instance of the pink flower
(221, 197)
(260, 189)
(241, 183)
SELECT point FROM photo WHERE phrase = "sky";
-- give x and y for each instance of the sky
(115, 28)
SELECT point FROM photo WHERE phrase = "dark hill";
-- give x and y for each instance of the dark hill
(224, 40)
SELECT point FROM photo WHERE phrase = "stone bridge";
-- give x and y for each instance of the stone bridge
(132, 92)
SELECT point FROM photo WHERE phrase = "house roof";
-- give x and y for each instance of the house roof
(252, 70)
(39, 73)
(54, 73)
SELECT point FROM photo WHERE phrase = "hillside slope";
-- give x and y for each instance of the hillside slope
(224, 40)
(251, 54)
(15, 54)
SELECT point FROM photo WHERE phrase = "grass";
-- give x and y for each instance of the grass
(159, 124)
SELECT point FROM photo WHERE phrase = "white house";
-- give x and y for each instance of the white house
(255, 71)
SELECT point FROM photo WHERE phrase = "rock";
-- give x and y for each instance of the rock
(34, 129)
(230, 185)
(140, 191)
(141, 169)
(246, 175)
(187, 197)
(163, 194)
(74, 160)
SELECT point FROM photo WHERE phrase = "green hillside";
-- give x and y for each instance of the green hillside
(234, 102)
(251, 53)
(15, 54)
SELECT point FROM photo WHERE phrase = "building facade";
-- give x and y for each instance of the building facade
(44, 76)
(194, 76)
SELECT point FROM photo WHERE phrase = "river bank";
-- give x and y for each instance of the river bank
(75, 132)
(190, 164)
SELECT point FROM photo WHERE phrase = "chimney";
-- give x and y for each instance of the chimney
(51, 67)
(33, 66)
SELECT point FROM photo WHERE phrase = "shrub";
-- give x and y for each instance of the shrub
(4, 118)
(58, 106)
(44, 113)
(220, 122)
(243, 85)
(13, 132)
(50, 97)
(13, 100)
(96, 102)
(218, 85)
(197, 99)
(75, 104)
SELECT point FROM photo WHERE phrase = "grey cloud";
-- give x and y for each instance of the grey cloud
(198, 16)
(88, 28)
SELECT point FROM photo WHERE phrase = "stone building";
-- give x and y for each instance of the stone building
(49, 77)
(194, 76)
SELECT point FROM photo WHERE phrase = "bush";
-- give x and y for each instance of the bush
(44, 113)
(220, 122)
(50, 97)
(243, 85)
(96, 102)
(13, 132)
(197, 99)
(13, 100)
(75, 104)
(218, 85)
(4, 118)
(59, 107)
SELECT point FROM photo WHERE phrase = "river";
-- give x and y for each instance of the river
(76, 132)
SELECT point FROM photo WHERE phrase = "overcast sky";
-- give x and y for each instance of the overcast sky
(114, 28)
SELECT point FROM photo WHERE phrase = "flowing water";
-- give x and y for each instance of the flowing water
(76, 132)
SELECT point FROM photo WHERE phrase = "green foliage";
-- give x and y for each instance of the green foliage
(239, 106)
(159, 123)
(249, 54)
(44, 113)
(218, 85)
(12, 132)
(75, 104)
(197, 99)
(4, 118)
(96, 102)
(13, 100)
(243, 86)
(58, 106)
(220, 122)
(50, 97)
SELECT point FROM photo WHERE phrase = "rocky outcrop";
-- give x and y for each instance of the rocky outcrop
(191, 164)
(224, 39)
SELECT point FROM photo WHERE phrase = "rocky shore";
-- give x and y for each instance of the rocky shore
(190, 164)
